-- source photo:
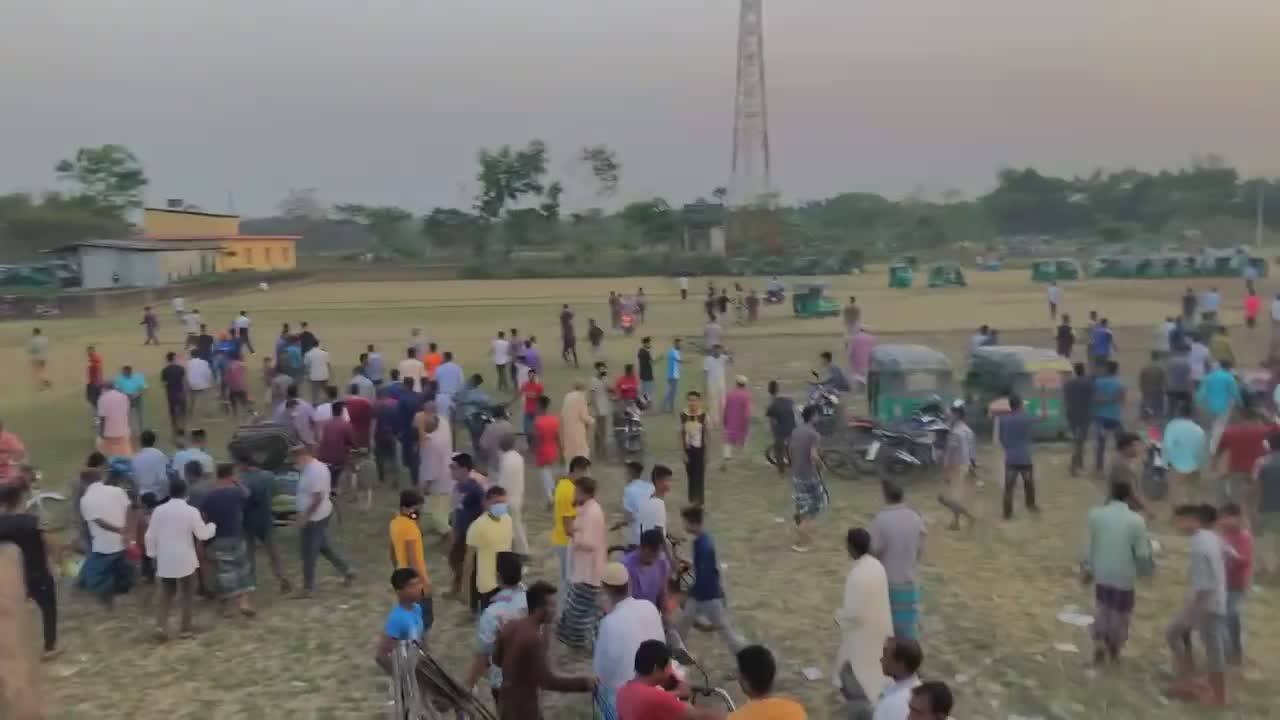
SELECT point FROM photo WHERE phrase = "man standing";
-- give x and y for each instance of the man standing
(1078, 398)
(569, 340)
(149, 323)
(1151, 386)
(487, 537)
(808, 489)
(564, 512)
(510, 476)
(865, 621)
(93, 377)
(1108, 407)
(588, 549)
(1102, 343)
(674, 360)
(1205, 608)
(241, 325)
(644, 359)
(1244, 444)
(500, 351)
(411, 368)
(781, 415)
(598, 394)
(852, 317)
(105, 507)
(113, 423)
(693, 440)
(1016, 429)
(171, 538)
(576, 422)
(1209, 305)
(714, 370)
(1218, 395)
(684, 287)
(548, 452)
(232, 576)
(1116, 552)
(133, 385)
(957, 459)
(375, 367)
(314, 508)
(151, 471)
(627, 624)
(468, 496)
(737, 419)
(860, 347)
(449, 385)
(316, 361)
(200, 383)
(1184, 451)
(1177, 382)
(1055, 299)
(521, 655)
(897, 540)
(174, 379)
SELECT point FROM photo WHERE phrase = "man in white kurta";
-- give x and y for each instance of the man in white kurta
(511, 478)
(714, 368)
(865, 622)
(576, 422)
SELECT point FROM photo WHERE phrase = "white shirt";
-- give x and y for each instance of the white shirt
(714, 367)
(171, 536)
(1199, 358)
(413, 368)
(110, 504)
(1055, 294)
(895, 701)
(199, 374)
(501, 351)
(179, 304)
(1275, 310)
(684, 283)
(186, 455)
(630, 623)
(653, 514)
(511, 477)
(324, 413)
(242, 322)
(191, 321)
(634, 496)
(317, 363)
(1163, 329)
(315, 479)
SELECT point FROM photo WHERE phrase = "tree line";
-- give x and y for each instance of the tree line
(518, 206)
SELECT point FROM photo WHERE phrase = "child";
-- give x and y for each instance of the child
(1239, 548)
(409, 620)
(706, 596)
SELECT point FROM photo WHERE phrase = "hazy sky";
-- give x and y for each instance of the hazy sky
(386, 101)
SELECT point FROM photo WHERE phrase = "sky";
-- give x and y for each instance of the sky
(229, 104)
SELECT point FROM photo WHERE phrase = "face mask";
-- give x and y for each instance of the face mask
(498, 510)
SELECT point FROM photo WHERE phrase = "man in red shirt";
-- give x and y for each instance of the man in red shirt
(93, 377)
(545, 441)
(335, 443)
(627, 387)
(1242, 443)
(360, 413)
(645, 699)
(531, 390)
(235, 376)
(1239, 563)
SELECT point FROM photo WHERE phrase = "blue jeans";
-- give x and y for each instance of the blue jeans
(669, 401)
(1104, 427)
(315, 542)
(562, 555)
(646, 389)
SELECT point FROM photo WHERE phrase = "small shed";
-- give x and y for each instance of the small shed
(140, 263)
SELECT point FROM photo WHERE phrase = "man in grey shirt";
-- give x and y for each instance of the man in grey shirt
(1205, 609)
(1015, 437)
(897, 540)
(151, 469)
(808, 489)
(598, 401)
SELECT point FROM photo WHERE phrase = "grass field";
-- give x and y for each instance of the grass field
(991, 595)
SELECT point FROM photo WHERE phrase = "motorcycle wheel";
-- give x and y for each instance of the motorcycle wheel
(842, 463)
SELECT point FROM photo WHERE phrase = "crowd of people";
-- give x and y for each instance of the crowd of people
(193, 526)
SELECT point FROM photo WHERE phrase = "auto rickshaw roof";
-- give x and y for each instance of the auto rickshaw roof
(909, 358)
(1028, 358)
(806, 286)
(944, 265)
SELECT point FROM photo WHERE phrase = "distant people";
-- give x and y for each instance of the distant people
(1209, 304)
(852, 317)
(1054, 294)
(980, 338)
(1189, 303)
(674, 360)
(1252, 307)
(150, 323)
(1065, 337)
(569, 339)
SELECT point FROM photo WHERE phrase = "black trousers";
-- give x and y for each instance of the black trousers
(1011, 474)
(695, 467)
(45, 596)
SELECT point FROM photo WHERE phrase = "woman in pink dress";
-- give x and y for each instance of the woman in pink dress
(737, 418)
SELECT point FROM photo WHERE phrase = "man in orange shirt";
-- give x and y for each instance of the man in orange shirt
(545, 440)
(432, 360)
(531, 391)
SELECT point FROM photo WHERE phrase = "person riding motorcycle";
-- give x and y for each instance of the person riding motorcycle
(830, 374)
(774, 290)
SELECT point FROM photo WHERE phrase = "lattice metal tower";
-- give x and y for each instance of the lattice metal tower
(750, 180)
(750, 183)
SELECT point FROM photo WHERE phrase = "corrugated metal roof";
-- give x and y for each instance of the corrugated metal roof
(140, 245)
(909, 357)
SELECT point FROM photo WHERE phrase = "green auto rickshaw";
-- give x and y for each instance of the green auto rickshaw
(1112, 267)
(946, 274)
(809, 300)
(901, 275)
(997, 370)
(902, 378)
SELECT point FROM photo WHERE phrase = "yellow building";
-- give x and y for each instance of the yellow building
(262, 253)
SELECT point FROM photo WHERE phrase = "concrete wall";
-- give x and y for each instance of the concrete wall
(179, 264)
(261, 255)
(136, 268)
(165, 222)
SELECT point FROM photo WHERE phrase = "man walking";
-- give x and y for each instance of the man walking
(1078, 398)
(781, 415)
(1218, 395)
(957, 459)
(808, 490)
(1108, 407)
(897, 540)
(674, 360)
(644, 359)
(1016, 429)
(628, 623)
(317, 363)
(706, 596)
(150, 323)
(241, 326)
(601, 407)
(693, 441)
(171, 538)
(174, 379)
(1205, 609)
(569, 340)
(1116, 552)
(1152, 388)
(521, 655)
(500, 351)
(314, 509)
(864, 622)
(588, 549)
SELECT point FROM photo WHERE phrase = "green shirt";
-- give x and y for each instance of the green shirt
(1116, 546)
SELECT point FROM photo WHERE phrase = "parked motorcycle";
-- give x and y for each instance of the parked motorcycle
(628, 431)
(876, 449)
(775, 297)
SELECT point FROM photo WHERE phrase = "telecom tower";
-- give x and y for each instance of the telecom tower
(750, 191)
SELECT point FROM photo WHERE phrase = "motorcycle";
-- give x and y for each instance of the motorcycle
(628, 430)
(877, 449)
(828, 403)
(775, 297)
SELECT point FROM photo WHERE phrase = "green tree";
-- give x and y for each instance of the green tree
(507, 176)
(387, 224)
(453, 229)
(28, 226)
(605, 168)
(109, 174)
(654, 220)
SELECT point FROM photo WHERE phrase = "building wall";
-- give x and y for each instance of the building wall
(99, 266)
(259, 255)
(160, 222)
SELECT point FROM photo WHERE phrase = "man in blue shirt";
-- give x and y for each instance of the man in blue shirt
(674, 360)
(1108, 408)
(706, 597)
(449, 383)
(409, 620)
(132, 384)
(1183, 445)
(1015, 438)
(374, 366)
(1101, 343)
(1219, 393)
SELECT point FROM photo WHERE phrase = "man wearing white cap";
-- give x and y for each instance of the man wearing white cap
(629, 623)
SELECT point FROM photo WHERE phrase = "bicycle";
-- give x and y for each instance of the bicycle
(44, 504)
(706, 689)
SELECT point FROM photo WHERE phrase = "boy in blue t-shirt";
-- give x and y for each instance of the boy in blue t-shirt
(706, 596)
(410, 619)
